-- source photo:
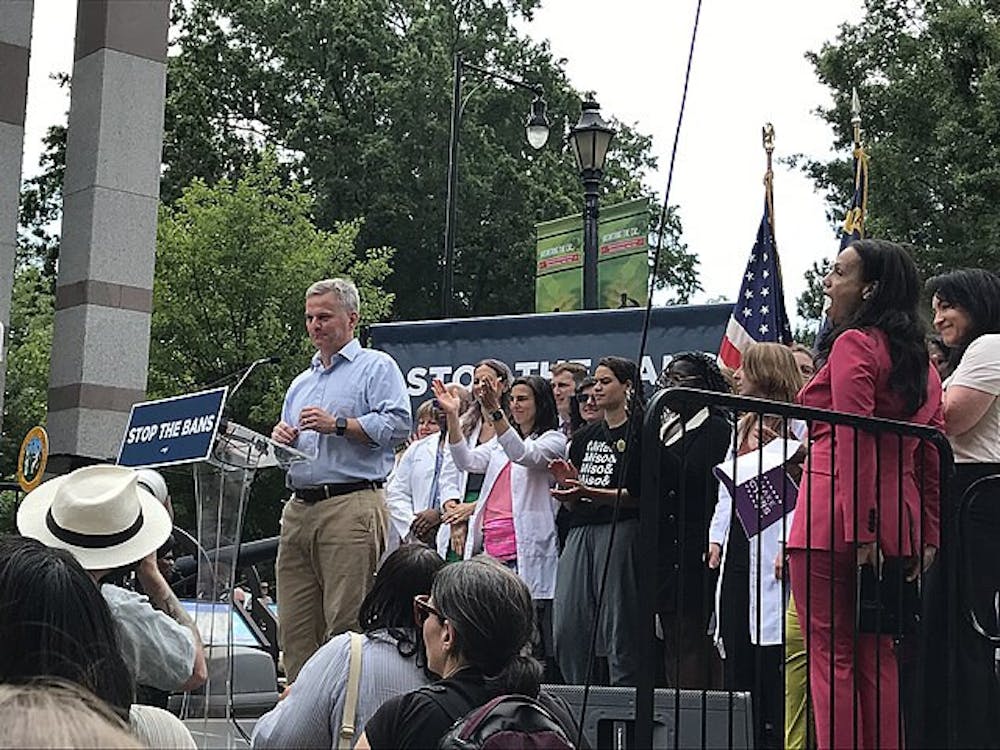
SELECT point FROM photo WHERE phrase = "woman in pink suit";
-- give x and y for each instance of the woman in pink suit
(850, 510)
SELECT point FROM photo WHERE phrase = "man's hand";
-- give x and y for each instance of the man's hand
(284, 433)
(318, 419)
(713, 558)
(424, 523)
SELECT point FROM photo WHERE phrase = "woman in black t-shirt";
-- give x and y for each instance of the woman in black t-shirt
(476, 622)
(601, 454)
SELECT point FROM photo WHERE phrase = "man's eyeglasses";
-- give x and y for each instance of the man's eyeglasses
(422, 609)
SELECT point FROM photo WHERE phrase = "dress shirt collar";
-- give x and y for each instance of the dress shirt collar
(349, 351)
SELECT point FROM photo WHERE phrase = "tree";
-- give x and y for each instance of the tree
(357, 95)
(928, 74)
(233, 262)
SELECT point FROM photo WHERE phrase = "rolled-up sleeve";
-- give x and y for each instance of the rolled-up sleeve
(389, 420)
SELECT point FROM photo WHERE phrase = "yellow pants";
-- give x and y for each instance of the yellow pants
(798, 716)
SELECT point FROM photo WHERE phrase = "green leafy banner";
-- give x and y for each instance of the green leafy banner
(559, 270)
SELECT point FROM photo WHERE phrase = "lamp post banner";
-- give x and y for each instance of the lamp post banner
(559, 269)
(622, 259)
(623, 255)
(532, 344)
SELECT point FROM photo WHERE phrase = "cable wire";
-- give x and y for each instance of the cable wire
(636, 400)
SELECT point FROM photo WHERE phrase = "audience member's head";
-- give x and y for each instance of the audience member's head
(58, 714)
(583, 406)
(939, 354)
(566, 376)
(769, 370)
(54, 623)
(408, 572)
(100, 514)
(426, 421)
(693, 370)
(805, 359)
(532, 406)
(480, 615)
(966, 304)
(487, 369)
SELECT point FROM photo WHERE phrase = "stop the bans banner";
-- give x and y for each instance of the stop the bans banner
(531, 344)
(622, 259)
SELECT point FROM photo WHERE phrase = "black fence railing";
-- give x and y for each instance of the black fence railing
(855, 545)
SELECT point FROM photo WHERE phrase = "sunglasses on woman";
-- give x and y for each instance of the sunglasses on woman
(422, 609)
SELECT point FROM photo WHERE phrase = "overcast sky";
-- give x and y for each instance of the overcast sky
(749, 68)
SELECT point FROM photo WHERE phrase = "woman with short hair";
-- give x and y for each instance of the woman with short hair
(476, 625)
(602, 458)
(392, 660)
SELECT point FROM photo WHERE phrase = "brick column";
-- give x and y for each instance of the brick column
(104, 291)
(15, 41)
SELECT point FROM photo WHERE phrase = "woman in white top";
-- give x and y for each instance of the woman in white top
(413, 493)
(966, 305)
(749, 598)
(514, 519)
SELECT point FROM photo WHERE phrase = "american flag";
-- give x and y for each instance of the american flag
(759, 312)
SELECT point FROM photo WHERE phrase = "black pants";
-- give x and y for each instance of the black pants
(974, 695)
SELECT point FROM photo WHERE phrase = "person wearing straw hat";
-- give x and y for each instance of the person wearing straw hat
(108, 521)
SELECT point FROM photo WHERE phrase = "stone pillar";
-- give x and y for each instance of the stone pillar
(15, 41)
(104, 291)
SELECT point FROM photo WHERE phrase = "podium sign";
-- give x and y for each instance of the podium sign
(174, 430)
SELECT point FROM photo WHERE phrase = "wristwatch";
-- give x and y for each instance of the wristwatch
(340, 426)
(496, 416)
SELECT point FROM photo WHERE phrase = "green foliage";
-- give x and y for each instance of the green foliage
(809, 305)
(928, 75)
(357, 96)
(233, 263)
(27, 361)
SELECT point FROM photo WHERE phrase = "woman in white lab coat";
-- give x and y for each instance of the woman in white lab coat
(514, 518)
(750, 601)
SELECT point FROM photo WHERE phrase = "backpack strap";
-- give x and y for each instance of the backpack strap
(347, 725)
(476, 717)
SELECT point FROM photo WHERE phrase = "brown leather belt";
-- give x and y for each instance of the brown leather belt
(312, 495)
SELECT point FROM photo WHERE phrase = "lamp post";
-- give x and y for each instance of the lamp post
(590, 138)
(536, 131)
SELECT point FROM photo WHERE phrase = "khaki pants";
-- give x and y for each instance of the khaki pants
(327, 555)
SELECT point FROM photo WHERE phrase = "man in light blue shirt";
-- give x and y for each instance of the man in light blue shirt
(348, 411)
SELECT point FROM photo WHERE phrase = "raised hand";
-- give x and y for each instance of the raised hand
(449, 403)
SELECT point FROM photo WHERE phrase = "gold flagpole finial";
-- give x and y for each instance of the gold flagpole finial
(856, 116)
(767, 136)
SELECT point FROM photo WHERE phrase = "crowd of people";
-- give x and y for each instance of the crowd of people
(500, 549)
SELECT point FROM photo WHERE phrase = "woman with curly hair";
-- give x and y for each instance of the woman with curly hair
(694, 441)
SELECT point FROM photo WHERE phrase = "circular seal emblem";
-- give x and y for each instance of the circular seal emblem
(32, 458)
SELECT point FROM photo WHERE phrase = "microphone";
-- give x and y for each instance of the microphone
(250, 369)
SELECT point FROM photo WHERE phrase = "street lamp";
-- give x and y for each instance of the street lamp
(536, 130)
(590, 138)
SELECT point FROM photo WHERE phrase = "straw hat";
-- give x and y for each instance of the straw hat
(98, 513)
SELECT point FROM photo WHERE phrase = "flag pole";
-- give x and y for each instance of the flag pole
(767, 136)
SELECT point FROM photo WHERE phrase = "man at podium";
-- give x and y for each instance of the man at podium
(347, 411)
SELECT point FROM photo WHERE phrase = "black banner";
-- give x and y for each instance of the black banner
(531, 344)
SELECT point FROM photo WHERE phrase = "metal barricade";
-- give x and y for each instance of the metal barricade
(874, 630)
